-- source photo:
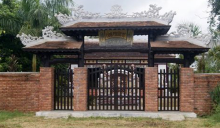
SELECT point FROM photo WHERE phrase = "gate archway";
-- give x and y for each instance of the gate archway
(116, 87)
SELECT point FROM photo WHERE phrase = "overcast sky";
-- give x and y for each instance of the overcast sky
(196, 11)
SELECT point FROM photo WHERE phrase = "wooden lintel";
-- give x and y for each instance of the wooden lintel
(64, 60)
(169, 60)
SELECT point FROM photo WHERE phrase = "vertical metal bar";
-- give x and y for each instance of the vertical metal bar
(136, 89)
(116, 87)
(107, 80)
(91, 86)
(132, 85)
(160, 90)
(55, 88)
(124, 88)
(143, 89)
(61, 88)
(139, 87)
(103, 90)
(120, 97)
(167, 88)
(68, 88)
(164, 83)
(175, 90)
(171, 88)
(178, 88)
(128, 96)
(65, 75)
(96, 88)
(71, 79)
(111, 97)
(58, 90)
(99, 87)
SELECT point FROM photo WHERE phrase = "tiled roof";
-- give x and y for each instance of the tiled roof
(114, 24)
(73, 45)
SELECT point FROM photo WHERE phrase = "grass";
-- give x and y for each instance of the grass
(212, 120)
(29, 120)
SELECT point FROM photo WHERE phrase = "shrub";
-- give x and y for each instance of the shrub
(215, 95)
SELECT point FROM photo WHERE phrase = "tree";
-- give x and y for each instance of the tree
(194, 29)
(214, 15)
(213, 60)
(30, 17)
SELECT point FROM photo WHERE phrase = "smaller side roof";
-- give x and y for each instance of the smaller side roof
(56, 46)
(176, 47)
(174, 44)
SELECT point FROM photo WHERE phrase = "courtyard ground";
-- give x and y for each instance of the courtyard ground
(29, 120)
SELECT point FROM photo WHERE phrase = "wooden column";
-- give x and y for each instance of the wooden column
(188, 59)
(81, 55)
(150, 53)
(45, 60)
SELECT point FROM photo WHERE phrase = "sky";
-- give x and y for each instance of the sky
(195, 11)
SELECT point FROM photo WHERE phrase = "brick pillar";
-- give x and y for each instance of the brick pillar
(80, 89)
(151, 89)
(46, 91)
(186, 90)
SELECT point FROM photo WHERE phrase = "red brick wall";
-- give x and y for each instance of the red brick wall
(151, 89)
(19, 91)
(28, 92)
(80, 89)
(186, 90)
(46, 93)
(203, 84)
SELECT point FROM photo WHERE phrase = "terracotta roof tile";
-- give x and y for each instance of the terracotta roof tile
(57, 45)
(174, 44)
(114, 24)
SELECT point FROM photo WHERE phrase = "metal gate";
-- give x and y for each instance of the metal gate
(168, 90)
(116, 87)
(63, 89)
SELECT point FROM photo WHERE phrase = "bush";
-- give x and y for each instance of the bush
(215, 95)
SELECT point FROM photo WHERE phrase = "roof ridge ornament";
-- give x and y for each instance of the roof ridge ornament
(47, 35)
(116, 14)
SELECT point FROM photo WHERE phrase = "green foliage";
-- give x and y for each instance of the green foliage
(60, 66)
(215, 95)
(9, 46)
(201, 64)
(213, 60)
(37, 14)
(214, 15)
(11, 64)
(9, 20)
(29, 17)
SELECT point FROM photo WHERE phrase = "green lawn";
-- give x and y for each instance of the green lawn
(28, 120)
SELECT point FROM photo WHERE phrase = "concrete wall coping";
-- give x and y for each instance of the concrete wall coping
(207, 73)
(18, 73)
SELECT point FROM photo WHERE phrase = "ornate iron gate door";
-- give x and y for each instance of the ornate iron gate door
(116, 87)
(63, 89)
